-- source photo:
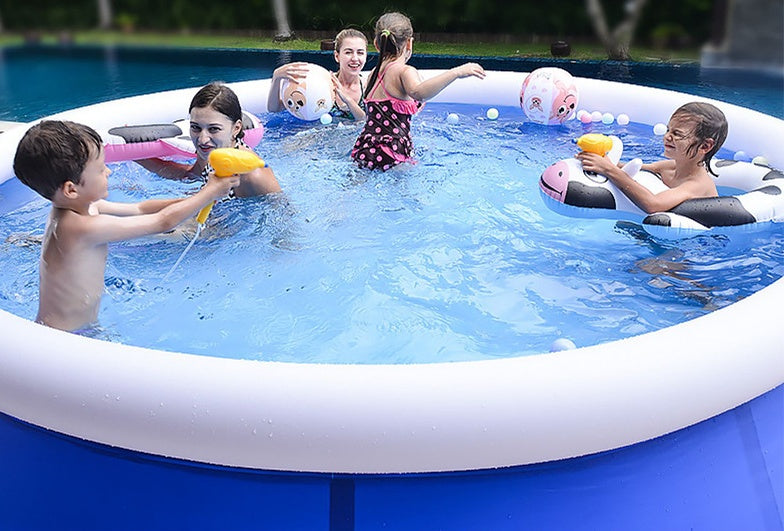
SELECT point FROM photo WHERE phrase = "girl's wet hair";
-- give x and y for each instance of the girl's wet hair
(709, 122)
(221, 98)
(392, 32)
(54, 152)
(348, 33)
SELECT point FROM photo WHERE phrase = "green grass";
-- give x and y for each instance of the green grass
(478, 49)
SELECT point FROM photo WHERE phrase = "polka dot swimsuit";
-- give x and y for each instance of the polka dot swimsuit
(385, 140)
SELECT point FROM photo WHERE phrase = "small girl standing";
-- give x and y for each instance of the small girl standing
(395, 92)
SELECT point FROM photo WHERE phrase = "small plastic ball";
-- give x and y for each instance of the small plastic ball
(492, 113)
(659, 129)
(760, 160)
(607, 118)
(596, 116)
(586, 118)
(562, 344)
(622, 119)
(580, 114)
(741, 155)
(452, 118)
(326, 119)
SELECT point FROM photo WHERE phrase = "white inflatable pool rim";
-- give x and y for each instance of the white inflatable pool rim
(400, 418)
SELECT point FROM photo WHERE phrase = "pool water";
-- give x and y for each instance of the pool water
(452, 258)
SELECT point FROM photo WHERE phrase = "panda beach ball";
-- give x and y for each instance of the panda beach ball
(549, 96)
(311, 97)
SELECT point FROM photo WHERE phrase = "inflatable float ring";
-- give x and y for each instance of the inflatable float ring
(567, 189)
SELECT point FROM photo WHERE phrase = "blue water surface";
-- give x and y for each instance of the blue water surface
(453, 258)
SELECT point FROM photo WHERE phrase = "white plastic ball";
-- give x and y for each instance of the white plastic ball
(562, 344)
(596, 116)
(607, 118)
(492, 113)
(452, 118)
(740, 155)
(326, 119)
(659, 129)
(622, 119)
(760, 160)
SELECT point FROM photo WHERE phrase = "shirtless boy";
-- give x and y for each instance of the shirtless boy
(695, 133)
(64, 162)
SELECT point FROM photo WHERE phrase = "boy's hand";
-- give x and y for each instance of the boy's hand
(595, 163)
(470, 69)
(220, 186)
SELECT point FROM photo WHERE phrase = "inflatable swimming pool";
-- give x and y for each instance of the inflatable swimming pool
(672, 429)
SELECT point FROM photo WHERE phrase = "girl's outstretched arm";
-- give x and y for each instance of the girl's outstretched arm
(421, 90)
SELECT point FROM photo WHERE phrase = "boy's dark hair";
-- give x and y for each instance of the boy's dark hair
(709, 122)
(52, 153)
(218, 96)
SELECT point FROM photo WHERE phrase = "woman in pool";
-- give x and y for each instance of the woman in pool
(350, 54)
(216, 122)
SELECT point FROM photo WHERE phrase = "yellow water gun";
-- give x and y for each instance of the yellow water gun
(595, 143)
(227, 162)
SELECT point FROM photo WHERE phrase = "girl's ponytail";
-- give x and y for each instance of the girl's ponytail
(392, 32)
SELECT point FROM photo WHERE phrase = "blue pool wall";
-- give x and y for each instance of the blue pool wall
(725, 473)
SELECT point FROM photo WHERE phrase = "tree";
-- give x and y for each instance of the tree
(617, 41)
(104, 14)
(282, 20)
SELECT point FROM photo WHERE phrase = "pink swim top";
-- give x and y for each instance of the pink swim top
(385, 140)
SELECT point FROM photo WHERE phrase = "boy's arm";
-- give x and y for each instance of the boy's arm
(149, 206)
(640, 196)
(659, 166)
(421, 90)
(103, 229)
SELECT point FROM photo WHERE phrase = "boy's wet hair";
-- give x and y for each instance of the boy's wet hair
(53, 152)
(221, 98)
(348, 33)
(392, 32)
(709, 122)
